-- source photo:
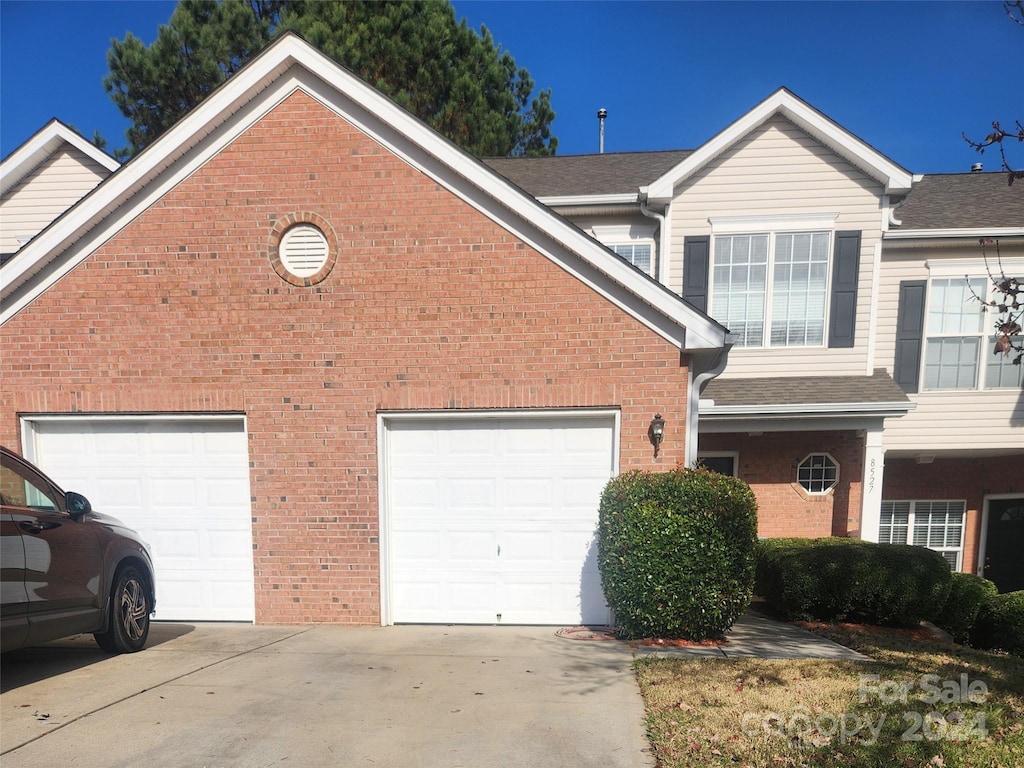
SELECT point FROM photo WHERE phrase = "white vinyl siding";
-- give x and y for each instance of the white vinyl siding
(938, 525)
(37, 200)
(942, 420)
(778, 170)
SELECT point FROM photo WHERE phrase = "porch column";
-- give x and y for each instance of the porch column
(871, 487)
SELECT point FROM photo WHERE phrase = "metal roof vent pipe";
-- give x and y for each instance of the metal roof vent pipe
(601, 115)
(976, 168)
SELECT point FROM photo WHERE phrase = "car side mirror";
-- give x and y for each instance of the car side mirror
(76, 504)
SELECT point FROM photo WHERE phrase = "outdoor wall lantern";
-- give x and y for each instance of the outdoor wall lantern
(656, 432)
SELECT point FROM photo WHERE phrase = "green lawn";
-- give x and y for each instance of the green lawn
(918, 703)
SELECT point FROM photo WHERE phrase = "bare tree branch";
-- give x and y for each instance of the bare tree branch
(1008, 305)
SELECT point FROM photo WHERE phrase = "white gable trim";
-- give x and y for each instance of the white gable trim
(894, 178)
(26, 158)
(977, 232)
(257, 89)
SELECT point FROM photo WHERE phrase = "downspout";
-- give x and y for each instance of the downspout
(662, 276)
(698, 382)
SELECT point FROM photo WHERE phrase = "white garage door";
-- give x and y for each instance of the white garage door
(184, 486)
(494, 520)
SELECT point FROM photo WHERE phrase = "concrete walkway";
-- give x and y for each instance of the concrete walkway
(757, 636)
(239, 696)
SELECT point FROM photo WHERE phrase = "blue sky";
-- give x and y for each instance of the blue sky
(907, 78)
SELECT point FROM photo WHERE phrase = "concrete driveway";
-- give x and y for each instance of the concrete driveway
(220, 695)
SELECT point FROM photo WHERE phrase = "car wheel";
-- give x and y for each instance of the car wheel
(128, 626)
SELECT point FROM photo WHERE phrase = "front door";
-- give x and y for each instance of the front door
(1004, 543)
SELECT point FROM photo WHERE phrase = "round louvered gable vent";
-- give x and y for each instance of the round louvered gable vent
(304, 250)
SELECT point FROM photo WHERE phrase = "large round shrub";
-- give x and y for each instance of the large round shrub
(837, 579)
(1000, 623)
(676, 552)
(967, 594)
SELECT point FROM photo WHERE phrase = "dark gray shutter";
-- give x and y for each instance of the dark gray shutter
(845, 271)
(910, 334)
(696, 263)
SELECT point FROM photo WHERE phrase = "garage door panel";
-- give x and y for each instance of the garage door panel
(471, 545)
(507, 525)
(469, 494)
(184, 486)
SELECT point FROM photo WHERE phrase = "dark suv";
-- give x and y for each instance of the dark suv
(67, 569)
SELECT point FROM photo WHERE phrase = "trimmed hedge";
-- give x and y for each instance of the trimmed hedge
(836, 579)
(1000, 624)
(967, 594)
(676, 552)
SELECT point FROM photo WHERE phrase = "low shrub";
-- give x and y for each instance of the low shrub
(967, 594)
(1000, 624)
(676, 552)
(836, 579)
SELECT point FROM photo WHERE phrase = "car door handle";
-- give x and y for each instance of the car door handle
(38, 527)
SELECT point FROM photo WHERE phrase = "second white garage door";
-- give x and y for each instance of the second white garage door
(493, 520)
(184, 486)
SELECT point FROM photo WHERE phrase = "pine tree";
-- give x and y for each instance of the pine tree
(458, 81)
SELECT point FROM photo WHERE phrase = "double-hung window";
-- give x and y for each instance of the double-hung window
(632, 242)
(959, 338)
(771, 287)
(938, 525)
(637, 254)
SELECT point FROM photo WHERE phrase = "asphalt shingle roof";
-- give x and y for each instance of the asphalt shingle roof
(611, 173)
(805, 390)
(937, 201)
(961, 201)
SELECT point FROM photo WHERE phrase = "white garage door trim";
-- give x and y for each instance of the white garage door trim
(194, 553)
(385, 421)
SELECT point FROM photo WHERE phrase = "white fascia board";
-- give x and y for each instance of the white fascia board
(110, 207)
(931, 234)
(804, 410)
(588, 200)
(234, 107)
(40, 146)
(790, 424)
(893, 177)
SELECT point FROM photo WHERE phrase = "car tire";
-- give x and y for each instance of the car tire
(128, 622)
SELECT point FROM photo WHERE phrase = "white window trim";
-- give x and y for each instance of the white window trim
(972, 269)
(831, 458)
(959, 549)
(623, 233)
(797, 222)
(803, 225)
(629, 234)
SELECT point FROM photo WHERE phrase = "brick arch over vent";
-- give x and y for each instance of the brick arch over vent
(277, 233)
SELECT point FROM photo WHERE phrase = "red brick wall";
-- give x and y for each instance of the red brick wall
(947, 479)
(768, 463)
(430, 306)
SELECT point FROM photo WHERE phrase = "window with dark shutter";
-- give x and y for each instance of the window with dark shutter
(696, 255)
(845, 271)
(909, 333)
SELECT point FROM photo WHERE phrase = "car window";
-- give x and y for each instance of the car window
(18, 490)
